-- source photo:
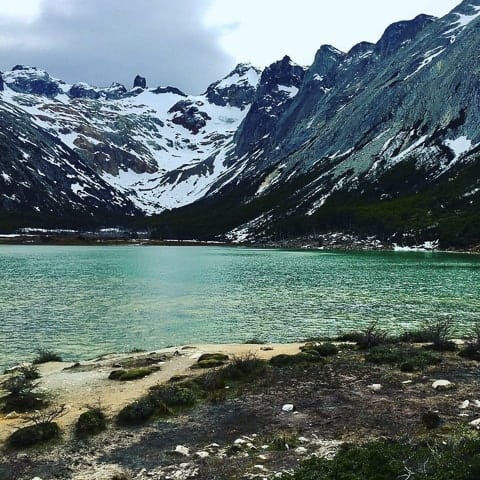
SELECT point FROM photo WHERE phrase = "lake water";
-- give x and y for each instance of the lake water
(84, 301)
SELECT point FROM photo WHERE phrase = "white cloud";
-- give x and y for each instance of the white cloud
(262, 31)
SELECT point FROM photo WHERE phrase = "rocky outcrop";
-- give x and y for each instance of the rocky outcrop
(23, 79)
(140, 82)
(1, 83)
(279, 84)
(237, 89)
(82, 90)
(189, 116)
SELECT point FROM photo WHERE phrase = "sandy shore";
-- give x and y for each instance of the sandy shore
(86, 385)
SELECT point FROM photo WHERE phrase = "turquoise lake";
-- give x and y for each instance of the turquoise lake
(84, 301)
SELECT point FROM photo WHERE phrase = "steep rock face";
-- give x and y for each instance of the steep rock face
(385, 137)
(140, 82)
(401, 33)
(237, 89)
(1, 83)
(40, 173)
(279, 84)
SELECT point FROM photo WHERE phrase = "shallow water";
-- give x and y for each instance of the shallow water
(83, 301)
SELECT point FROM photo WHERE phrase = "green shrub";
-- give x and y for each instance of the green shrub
(284, 360)
(33, 435)
(213, 356)
(44, 356)
(408, 359)
(323, 349)
(173, 396)
(243, 367)
(138, 411)
(91, 422)
(387, 460)
(132, 374)
(371, 337)
(22, 396)
(419, 335)
(210, 363)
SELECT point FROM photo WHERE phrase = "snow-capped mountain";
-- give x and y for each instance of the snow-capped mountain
(383, 139)
(157, 148)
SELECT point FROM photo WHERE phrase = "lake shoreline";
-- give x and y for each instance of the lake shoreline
(328, 242)
(293, 244)
(315, 406)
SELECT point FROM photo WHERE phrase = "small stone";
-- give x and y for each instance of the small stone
(406, 382)
(465, 404)
(442, 385)
(12, 415)
(475, 424)
(181, 450)
(303, 440)
(240, 441)
(36, 478)
(262, 457)
(476, 403)
(301, 451)
(202, 454)
(375, 387)
(288, 407)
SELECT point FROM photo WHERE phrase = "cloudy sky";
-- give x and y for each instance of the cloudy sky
(186, 43)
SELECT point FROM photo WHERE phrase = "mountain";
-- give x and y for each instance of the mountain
(75, 149)
(382, 140)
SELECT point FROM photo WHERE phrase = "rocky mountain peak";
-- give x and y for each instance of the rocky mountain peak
(140, 82)
(237, 89)
(32, 80)
(284, 72)
(400, 33)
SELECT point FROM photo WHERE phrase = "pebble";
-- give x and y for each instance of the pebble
(375, 387)
(442, 385)
(288, 407)
(301, 451)
(465, 404)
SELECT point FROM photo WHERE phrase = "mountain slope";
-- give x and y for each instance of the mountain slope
(377, 140)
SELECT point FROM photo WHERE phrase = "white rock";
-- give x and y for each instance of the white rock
(240, 441)
(441, 385)
(476, 403)
(475, 424)
(301, 451)
(12, 415)
(303, 440)
(182, 450)
(262, 457)
(202, 454)
(406, 382)
(465, 404)
(288, 407)
(375, 387)
(36, 478)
